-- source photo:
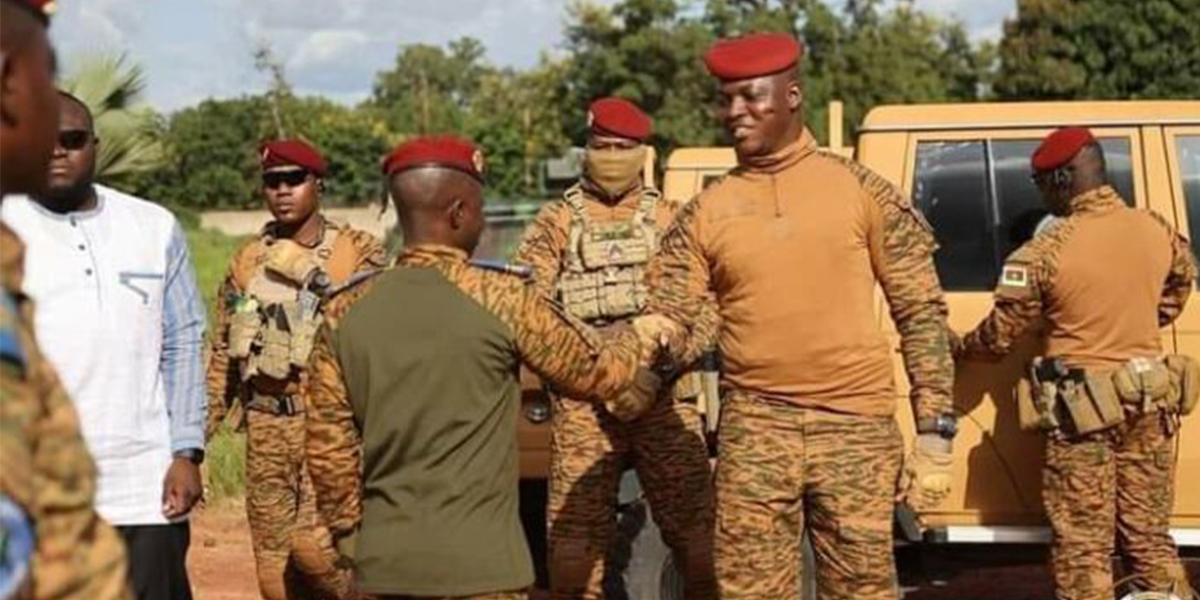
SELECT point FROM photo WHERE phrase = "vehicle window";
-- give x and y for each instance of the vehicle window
(1189, 168)
(978, 196)
(952, 191)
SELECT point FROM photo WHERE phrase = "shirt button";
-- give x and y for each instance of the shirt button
(73, 223)
(82, 247)
(88, 271)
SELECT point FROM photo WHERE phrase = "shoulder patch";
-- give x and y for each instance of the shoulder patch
(1015, 276)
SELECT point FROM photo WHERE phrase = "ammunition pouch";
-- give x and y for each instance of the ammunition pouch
(1146, 385)
(1185, 377)
(1074, 401)
(610, 293)
(243, 330)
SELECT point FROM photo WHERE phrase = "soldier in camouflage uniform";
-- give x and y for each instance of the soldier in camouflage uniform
(793, 242)
(589, 251)
(268, 309)
(1104, 303)
(415, 399)
(55, 546)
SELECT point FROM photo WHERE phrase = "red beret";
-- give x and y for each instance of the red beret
(622, 118)
(1060, 147)
(282, 153)
(436, 151)
(753, 55)
(42, 8)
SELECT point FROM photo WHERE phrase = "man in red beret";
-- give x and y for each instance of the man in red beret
(793, 243)
(56, 546)
(267, 315)
(1105, 278)
(589, 251)
(414, 394)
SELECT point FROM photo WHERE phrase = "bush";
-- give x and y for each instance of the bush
(225, 465)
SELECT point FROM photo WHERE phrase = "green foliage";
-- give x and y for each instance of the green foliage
(112, 87)
(1101, 49)
(211, 254)
(225, 465)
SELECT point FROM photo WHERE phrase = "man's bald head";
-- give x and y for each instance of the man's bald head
(438, 205)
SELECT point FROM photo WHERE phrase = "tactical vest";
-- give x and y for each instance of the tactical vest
(274, 322)
(604, 276)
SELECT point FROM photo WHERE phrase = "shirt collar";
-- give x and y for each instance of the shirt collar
(783, 158)
(1096, 200)
(423, 255)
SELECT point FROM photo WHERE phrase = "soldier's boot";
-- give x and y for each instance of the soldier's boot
(317, 561)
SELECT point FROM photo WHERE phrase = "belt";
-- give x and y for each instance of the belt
(284, 405)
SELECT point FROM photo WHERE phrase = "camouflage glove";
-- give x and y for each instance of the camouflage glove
(637, 398)
(925, 478)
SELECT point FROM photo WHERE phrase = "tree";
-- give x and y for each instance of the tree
(1101, 49)
(112, 87)
(429, 90)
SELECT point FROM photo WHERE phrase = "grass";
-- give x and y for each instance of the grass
(225, 458)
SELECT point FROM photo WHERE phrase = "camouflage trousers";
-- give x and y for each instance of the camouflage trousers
(589, 450)
(1111, 485)
(294, 554)
(783, 469)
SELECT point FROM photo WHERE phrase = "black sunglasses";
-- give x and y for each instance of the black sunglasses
(293, 178)
(73, 139)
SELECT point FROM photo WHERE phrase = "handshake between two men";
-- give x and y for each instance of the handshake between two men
(925, 480)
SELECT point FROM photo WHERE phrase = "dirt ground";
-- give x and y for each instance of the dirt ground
(221, 562)
(221, 565)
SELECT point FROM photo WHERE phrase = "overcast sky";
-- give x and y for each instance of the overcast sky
(195, 49)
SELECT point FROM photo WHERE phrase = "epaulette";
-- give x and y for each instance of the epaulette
(11, 350)
(500, 266)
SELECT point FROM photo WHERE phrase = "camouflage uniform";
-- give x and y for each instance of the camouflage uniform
(792, 245)
(359, 458)
(1115, 483)
(590, 447)
(294, 554)
(46, 466)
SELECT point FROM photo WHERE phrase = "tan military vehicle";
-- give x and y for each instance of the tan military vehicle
(966, 168)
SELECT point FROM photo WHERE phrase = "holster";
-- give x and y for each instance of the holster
(1074, 401)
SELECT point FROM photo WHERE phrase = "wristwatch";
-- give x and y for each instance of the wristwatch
(945, 425)
(195, 455)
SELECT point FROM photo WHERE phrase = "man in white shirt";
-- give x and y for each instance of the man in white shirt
(120, 317)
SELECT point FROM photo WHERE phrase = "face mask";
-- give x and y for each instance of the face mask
(615, 171)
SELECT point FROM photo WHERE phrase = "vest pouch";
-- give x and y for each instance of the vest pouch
(275, 357)
(1185, 374)
(621, 246)
(622, 294)
(580, 294)
(1028, 417)
(303, 335)
(243, 330)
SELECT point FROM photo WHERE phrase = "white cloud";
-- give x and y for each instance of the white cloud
(194, 49)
